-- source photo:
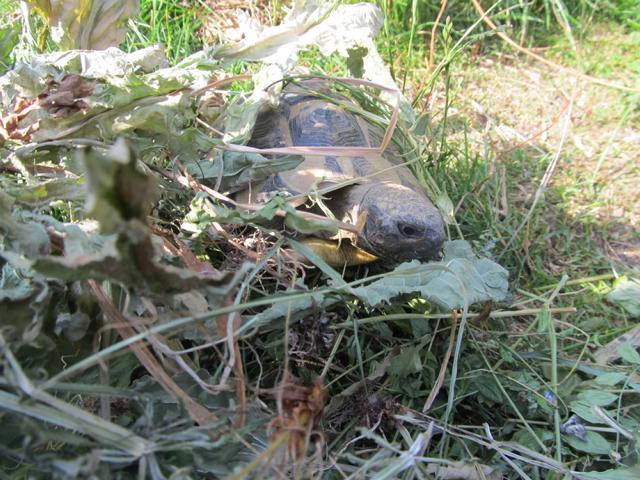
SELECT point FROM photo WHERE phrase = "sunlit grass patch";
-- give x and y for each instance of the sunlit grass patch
(175, 25)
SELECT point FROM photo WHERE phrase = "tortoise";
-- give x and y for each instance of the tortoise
(398, 220)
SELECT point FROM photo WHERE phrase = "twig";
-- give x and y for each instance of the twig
(227, 326)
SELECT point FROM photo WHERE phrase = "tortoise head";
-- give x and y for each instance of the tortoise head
(402, 224)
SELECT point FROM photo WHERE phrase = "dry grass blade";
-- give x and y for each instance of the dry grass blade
(197, 412)
(220, 83)
(443, 367)
(432, 41)
(541, 59)
(227, 326)
(317, 151)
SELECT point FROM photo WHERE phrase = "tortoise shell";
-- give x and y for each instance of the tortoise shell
(401, 221)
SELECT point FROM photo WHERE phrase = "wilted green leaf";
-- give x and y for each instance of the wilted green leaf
(14, 287)
(332, 29)
(28, 238)
(632, 473)
(629, 353)
(464, 470)
(290, 308)
(596, 444)
(355, 61)
(86, 24)
(406, 363)
(236, 169)
(626, 293)
(597, 397)
(45, 192)
(72, 325)
(117, 189)
(29, 79)
(611, 378)
(119, 92)
(129, 258)
(583, 409)
(407, 278)
(240, 118)
(24, 301)
(8, 40)
(487, 387)
(444, 204)
(203, 212)
(295, 221)
(460, 279)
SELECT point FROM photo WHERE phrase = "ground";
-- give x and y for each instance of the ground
(513, 102)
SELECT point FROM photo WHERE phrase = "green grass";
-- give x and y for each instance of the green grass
(516, 376)
(9, 35)
(175, 25)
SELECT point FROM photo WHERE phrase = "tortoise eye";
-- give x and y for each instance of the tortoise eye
(410, 230)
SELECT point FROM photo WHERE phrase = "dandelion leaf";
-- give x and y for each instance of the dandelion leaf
(460, 279)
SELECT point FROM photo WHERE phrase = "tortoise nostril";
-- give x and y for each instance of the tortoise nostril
(410, 230)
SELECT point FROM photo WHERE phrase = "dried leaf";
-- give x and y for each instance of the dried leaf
(348, 30)
(63, 80)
